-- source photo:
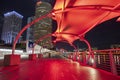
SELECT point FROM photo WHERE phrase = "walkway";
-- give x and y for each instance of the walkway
(53, 69)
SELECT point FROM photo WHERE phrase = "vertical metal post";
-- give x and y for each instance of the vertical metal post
(112, 64)
(84, 58)
(75, 54)
(33, 50)
(27, 46)
(90, 51)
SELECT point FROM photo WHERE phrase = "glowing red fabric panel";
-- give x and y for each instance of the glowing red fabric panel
(118, 19)
(79, 16)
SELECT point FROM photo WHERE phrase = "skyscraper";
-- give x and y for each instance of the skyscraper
(1, 24)
(49, 1)
(43, 27)
(29, 35)
(11, 27)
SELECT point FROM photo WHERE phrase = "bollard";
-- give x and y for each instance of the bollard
(32, 56)
(11, 59)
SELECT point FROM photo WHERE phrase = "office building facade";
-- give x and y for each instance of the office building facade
(1, 24)
(43, 27)
(29, 34)
(11, 27)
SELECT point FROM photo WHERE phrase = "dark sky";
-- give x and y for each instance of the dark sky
(105, 34)
(102, 36)
(24, 7)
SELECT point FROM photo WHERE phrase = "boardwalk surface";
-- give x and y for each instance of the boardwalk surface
(53, 69)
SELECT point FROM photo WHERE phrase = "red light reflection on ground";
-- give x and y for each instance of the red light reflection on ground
(53, 69)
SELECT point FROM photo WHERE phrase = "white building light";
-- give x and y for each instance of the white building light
(12, 13)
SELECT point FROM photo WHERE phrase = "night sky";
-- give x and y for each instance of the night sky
(23, 7)
(102, 36)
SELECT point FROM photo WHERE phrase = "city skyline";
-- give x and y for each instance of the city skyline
(95, 36)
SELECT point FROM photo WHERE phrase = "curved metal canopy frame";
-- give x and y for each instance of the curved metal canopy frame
(42, 38)
(25, 28)
(91, 7)
(81, 39)
(48, 35)
(80, 16)
(65, 8)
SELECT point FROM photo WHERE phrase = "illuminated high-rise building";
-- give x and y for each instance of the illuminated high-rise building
(29, 35)
(43, 27)
(11, 27)
(1, 24)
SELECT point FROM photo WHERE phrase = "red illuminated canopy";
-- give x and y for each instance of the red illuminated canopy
(76, 17)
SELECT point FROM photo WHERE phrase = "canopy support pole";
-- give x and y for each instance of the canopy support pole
(91, 54)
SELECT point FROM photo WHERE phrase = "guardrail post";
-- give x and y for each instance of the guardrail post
(84, 58)
(94, 60)
(112, 64)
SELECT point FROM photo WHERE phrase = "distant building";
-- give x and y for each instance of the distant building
(1, 24)
(29, 35)
(49, 1)
(115, 46)
(43, 27)
(11, 27)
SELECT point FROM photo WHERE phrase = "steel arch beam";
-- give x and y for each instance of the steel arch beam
(40, 39)
(89, 48)
(91, 7)
(48, 35)
(26, 27)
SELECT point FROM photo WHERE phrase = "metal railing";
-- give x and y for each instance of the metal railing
(108, 60)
